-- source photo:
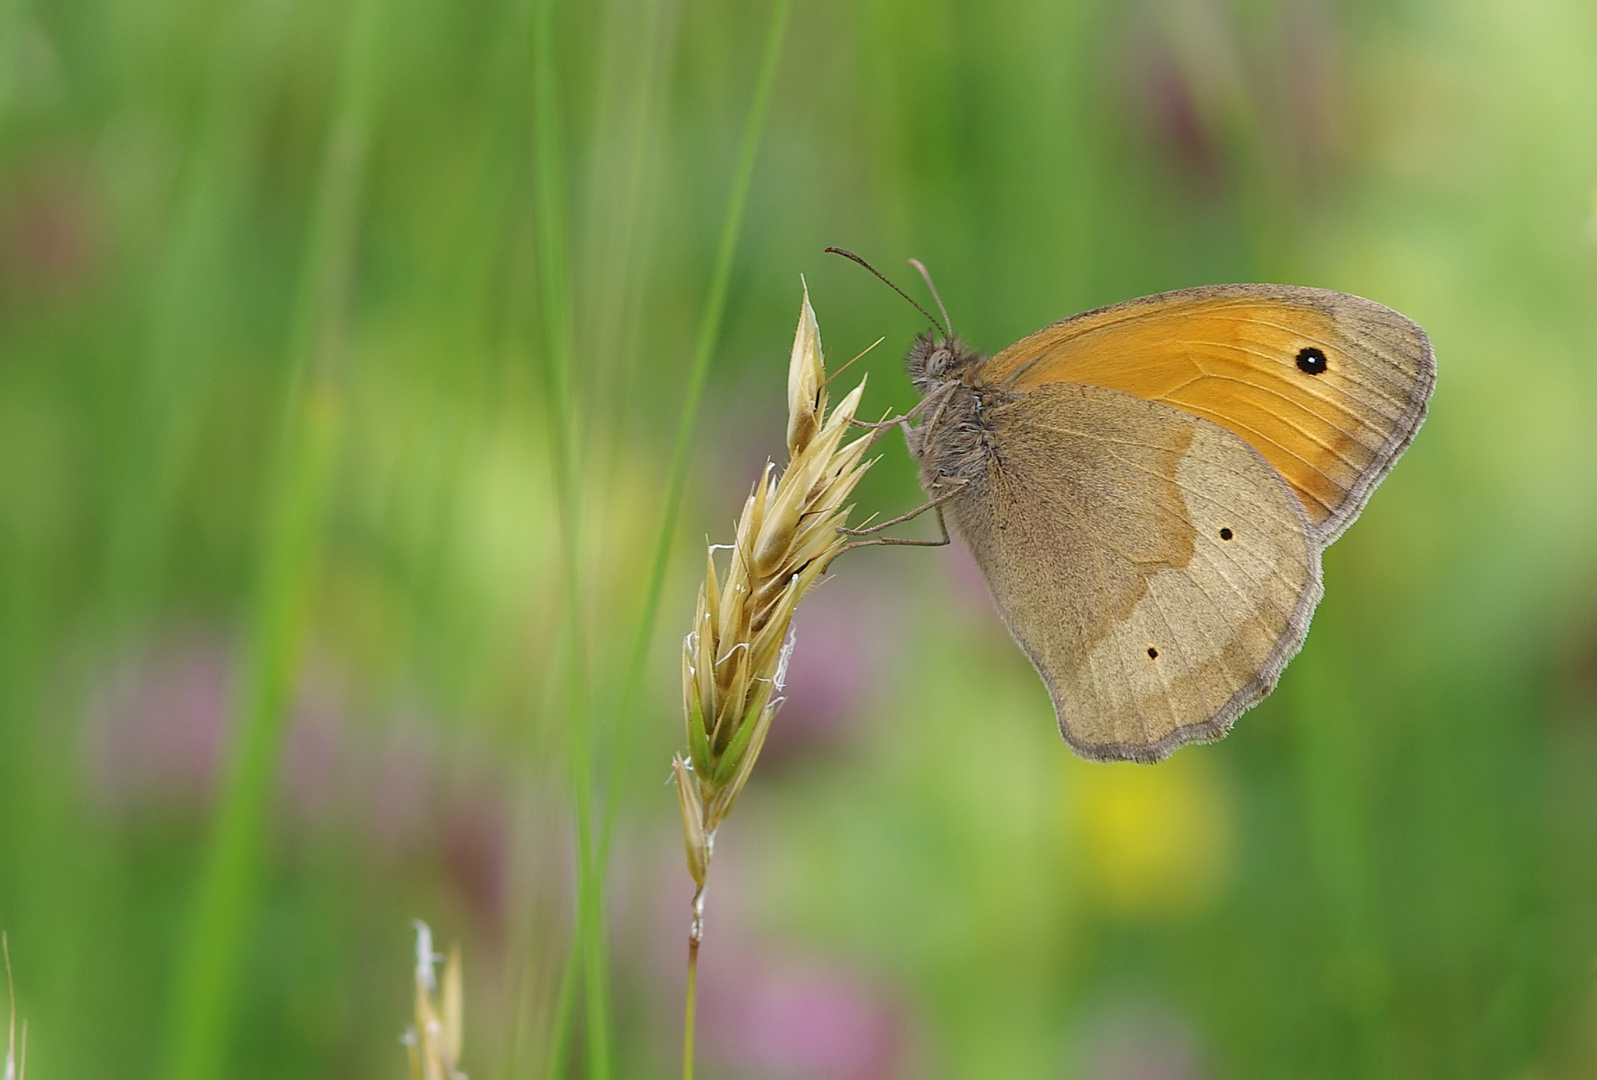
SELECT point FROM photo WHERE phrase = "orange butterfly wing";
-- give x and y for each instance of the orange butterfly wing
(1231, 354)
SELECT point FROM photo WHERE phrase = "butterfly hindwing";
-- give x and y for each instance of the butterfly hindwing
(1151, 564)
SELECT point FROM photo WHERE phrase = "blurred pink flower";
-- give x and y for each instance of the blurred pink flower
(155, 728)
(800, 1021)
(156, 739)
(1200, 79)
(843, 645)
(764, 1013)
(476, 847)
(314, 766)
(51, 232)
(399, 787)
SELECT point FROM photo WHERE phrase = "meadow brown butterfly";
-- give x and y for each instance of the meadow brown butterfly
(1148, 487)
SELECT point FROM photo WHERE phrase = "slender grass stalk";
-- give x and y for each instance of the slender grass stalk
(690, 1008)
(551, 213)
(570, 978)
(297, 495)
(634, 69)
(709, 331)
(13, 20)
(698, 373)
(188, 300)
(709, 334)
(734, 660)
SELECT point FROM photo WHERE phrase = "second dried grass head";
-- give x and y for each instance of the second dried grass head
(433, 1042)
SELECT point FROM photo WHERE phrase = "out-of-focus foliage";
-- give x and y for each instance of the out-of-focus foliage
(225, 225)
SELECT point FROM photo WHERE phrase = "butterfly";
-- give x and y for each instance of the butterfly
(1148, 487)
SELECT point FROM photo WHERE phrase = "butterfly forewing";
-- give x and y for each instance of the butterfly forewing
(1327, 387)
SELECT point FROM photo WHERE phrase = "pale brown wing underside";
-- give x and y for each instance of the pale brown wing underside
(1153, 566)
(1230, 354)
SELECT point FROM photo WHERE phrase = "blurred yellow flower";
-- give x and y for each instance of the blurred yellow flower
(1152, 841)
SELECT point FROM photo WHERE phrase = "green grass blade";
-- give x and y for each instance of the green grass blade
(698, 374)
(298, 492)
(589, 924)
(224, 907)
(551, 215)
(13, 20)
(565, 1006)
(190, 296)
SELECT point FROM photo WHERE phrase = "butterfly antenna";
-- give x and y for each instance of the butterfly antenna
(927, 278)
(895, 288)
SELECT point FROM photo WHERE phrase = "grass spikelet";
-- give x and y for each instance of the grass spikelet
(734, 660)
(434, 1042)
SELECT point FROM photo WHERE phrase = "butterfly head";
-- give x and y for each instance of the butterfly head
(935, 359)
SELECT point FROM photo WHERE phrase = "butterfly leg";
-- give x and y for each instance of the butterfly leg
(902, 420)
(881, 526)
(883, 425)
(935, 505)
(891, 422)
(899, 541)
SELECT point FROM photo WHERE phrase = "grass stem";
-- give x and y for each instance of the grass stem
(587, 935)
(709, 333)
(551, 212)
(298, 492)
(691, 1000)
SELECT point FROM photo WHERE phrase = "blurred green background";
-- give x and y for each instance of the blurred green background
(343, 351)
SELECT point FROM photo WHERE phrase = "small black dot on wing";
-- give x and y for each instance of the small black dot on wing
(1311, 361)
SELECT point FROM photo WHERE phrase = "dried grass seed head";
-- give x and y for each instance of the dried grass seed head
(734, 659)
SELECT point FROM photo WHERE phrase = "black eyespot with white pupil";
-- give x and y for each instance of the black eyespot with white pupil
(1311, 361)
